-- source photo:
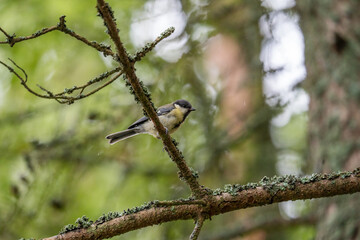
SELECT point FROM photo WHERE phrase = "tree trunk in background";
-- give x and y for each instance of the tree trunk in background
(332, 34)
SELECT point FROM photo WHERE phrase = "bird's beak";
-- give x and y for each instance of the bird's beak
(192, 109)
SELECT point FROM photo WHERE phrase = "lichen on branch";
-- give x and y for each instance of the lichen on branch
(267, 191)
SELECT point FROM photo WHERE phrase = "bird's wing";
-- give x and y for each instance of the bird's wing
(160, 111)
(165, 109)
(138, 122)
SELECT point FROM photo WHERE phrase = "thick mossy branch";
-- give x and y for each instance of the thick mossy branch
(230, 198)
(128, 66)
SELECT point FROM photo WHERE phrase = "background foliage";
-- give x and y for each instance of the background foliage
(55, 163)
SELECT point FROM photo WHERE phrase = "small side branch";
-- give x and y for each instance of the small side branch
(65, 97)
(61, 26)
(6, 34)
(150, 46)
(198, 225)
(92, 81)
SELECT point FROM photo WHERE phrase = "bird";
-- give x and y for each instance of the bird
(171, 116)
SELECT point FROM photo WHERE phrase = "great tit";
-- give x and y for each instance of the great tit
(171, 116)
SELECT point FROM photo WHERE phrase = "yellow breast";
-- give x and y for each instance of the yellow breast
(172, 120)
(178, 114)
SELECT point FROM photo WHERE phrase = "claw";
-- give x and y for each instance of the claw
(164, 149)
(166, 130)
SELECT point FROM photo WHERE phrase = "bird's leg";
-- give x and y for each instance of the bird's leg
(164, 149)
(166, 131)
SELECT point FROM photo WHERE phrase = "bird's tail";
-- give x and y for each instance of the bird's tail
(116, 137)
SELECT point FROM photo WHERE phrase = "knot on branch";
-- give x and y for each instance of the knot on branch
(194, 173)
(105, 48)
(167, 33)
(10, 39)
(61, 25)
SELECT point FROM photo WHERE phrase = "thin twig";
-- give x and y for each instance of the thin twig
(199, 223)
(23, 81)
(61, 97)
(26, 77)
(5, 33)
(83, 87)
(102, 86)
(150, 46)
(61, 26)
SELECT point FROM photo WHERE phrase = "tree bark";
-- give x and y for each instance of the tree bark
(233, 197)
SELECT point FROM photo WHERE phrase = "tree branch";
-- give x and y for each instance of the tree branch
(150, 46)
(198, 225)
(106, 13)
(61, 26)
(232, 197)
(65, 97)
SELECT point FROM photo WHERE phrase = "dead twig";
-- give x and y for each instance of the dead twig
(150, 46)
(61, 26)
(199, 223)
(63, 96)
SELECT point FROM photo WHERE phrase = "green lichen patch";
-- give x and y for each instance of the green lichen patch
(283, 183)
(83, 222)
(68, 228)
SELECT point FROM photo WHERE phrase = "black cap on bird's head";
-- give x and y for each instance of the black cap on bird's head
(185, 104)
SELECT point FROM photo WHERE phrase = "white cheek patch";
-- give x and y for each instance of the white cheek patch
(183, 110)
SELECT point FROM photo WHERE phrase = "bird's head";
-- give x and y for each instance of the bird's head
(184, 106)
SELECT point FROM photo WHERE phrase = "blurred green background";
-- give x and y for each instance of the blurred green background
(56, 165)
